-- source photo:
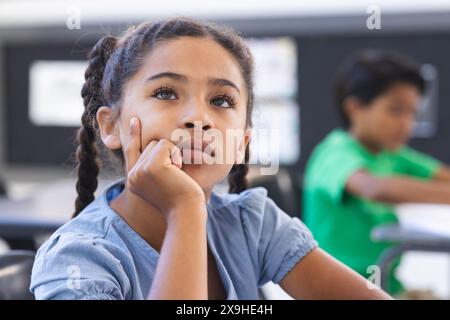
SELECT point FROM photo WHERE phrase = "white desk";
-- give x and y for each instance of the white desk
(434, 218)
(422, 227)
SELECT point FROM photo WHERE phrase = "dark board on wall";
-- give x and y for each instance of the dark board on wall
(318, 58)
(26, 143)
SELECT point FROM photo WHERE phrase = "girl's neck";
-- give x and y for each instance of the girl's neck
(365, 141)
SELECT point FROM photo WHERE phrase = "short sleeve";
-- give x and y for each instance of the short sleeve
(276, 240)
(332, 174)
(76, 267)
(417, 164)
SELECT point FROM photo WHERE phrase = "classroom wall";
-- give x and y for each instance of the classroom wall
(318, 58)
(322, 43)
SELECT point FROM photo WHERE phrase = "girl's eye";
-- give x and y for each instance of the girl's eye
(165, 94)
(224, 101)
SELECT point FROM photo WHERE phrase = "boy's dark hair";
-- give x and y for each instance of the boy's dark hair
(369, 73)
(114, 60)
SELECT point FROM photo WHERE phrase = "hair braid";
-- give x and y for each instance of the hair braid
(237, 178)
(88, 165)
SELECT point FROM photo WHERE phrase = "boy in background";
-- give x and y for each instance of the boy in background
(356, 174)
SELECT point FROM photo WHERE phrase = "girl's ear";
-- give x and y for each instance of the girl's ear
(109, 129)
(244, 143)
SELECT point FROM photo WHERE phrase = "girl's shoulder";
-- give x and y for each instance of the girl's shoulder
(97, 225)
(94, 221)
(252, 208)
(253, 200)
(274, 240)
(86, 247)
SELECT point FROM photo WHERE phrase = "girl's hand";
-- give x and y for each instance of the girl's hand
(156, 176)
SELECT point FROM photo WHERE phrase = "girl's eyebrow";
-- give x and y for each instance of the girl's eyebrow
(183, 78)
(167, 74)
(223, 82)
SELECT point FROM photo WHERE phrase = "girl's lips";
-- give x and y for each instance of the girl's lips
(193, 145)
(195, 156)
(196, 151)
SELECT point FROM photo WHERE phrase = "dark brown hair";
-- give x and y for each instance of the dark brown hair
(114, 60)
(368, 74)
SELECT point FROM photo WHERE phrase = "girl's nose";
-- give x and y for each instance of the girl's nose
(200, 124)
(196, 117)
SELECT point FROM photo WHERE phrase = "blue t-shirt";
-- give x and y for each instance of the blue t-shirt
(97, 255)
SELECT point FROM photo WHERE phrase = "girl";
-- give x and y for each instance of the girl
(161, 232)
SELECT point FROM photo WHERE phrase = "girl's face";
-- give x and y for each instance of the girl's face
(184, 84)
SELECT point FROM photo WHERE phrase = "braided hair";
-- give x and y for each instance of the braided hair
(88, 165)
(114, 60)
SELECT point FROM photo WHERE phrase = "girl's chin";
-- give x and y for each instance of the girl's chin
(195, 156)
(199, 175)
(195, 171)
(199, 172)
(206, 175)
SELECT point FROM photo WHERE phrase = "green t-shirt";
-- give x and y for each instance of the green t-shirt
(341, 222)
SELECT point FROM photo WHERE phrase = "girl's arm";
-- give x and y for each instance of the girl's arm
(182, 265)
(320, 276)
(156, 176)
(399, 189)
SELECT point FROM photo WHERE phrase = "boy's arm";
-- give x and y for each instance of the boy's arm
(442, 174)
(400, 189)
(319, 276)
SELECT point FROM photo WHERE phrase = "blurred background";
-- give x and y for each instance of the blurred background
(297, 46)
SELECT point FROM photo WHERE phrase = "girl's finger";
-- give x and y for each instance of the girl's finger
(149, 148)
(175, 155)
(133, 149)
(165, 153)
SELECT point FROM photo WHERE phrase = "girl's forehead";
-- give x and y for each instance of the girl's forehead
(196, 58)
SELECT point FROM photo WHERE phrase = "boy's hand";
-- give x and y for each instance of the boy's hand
(156, 176)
